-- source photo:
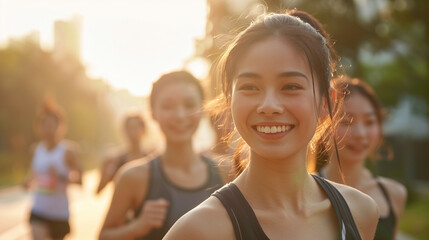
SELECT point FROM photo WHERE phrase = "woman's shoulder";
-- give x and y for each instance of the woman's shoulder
(134, 175)
(363, 208)
(397, 193)
(70, 145)
(137, 170)
(395, 189)
(209, 220)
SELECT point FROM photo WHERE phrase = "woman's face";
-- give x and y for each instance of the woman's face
(134, 130)
(359, 131)
(273, 104)
(177, 109)
(49, 127)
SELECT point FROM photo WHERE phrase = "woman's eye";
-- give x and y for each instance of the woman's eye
(248, 87)
(190, 105)
(370, 122)
(291, 87)
(167, 106)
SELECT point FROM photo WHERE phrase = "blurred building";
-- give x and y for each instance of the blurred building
(407, 134)
(67, 37)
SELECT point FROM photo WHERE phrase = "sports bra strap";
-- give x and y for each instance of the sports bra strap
(243, 218)
(342, 210)
(384, 190)
(226, 199)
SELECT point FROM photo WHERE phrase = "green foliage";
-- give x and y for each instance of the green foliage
(27, 75)
(381, 42)
(415, 220)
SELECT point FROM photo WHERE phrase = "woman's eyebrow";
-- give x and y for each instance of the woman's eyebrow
(248, 75)
(293, 74)
(281, 75)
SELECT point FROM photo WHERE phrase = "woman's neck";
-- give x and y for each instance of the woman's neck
(353, 173)
(281, 183)
(134, 148)
(50, 143)
(180, 155)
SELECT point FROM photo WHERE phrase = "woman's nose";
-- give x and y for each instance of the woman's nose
(271, 104)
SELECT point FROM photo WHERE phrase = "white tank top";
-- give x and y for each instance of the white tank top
(50, 169)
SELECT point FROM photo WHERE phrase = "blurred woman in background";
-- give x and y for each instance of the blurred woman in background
(360, 134)
(55, 164)
(134, 128)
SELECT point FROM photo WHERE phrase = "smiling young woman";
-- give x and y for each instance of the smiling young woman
(276, 80)
(161, 190)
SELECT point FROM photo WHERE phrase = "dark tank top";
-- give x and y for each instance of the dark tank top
(181, 200)
(247, 227)
(386, 225)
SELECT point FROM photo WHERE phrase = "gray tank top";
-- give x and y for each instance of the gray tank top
(181, 200)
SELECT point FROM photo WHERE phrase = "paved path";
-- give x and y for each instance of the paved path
(87, 210)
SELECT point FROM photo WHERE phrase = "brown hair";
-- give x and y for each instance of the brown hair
(347, 87)
(308, 18)
(303, 37)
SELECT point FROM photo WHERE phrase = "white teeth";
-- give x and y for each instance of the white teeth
(267, 129)
(273, 129)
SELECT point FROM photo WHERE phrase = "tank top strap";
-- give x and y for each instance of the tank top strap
(386, 224)
(155, 184)
(384, 191)
(320, 173)
(243, 218)
(346, 222)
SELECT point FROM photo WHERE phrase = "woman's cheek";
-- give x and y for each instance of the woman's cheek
(342, 134)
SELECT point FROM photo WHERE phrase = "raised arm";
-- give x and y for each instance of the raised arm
(107, 172)
(130, 190)
(74, 164)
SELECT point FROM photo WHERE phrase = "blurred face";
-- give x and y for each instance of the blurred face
(359, 131)
(177, 109)
(134, 129)
(273, 105)
(48, 127)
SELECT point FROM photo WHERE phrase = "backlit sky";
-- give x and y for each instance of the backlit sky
(129, 43)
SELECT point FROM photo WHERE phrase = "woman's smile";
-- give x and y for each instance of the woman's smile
(273, 130)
